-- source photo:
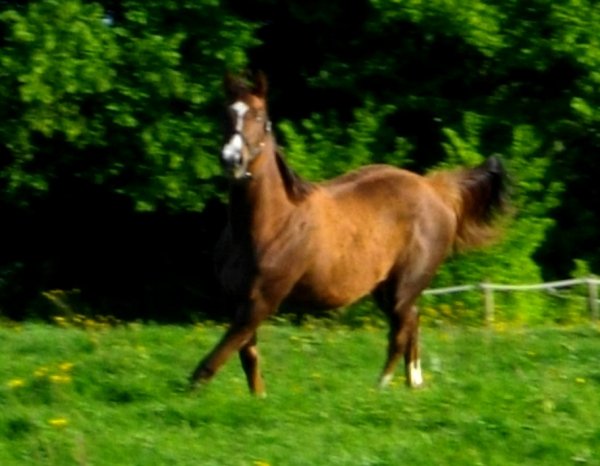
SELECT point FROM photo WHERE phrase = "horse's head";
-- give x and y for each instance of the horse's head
(249, 123)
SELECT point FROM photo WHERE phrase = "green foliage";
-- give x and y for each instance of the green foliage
(126, 97)
(519, 91)
(57, 53)
(323, 147)
(510, 260)
(581, 269)
(120, 101)
(477, 23)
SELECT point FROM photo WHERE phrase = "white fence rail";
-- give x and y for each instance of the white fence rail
(488, 290)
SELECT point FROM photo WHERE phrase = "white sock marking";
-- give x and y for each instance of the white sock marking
(416, 376)
(385, 380)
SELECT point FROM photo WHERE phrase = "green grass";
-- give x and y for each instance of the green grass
(522, 397)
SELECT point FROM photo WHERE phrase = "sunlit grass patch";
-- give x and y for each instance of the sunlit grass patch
(520, 396)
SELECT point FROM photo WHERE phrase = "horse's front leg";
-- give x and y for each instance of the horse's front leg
(250, 363)
(241, 336)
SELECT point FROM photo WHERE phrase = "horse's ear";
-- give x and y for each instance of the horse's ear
(261, 85)
(234, 85)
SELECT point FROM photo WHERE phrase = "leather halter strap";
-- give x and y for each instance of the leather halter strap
(257, 149)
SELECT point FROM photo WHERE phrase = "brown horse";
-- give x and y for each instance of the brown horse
(379, 230)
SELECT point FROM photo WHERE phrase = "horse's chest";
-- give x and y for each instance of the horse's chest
(235, 270)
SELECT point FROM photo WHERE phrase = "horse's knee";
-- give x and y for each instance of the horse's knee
(250, 363)
(249, 356)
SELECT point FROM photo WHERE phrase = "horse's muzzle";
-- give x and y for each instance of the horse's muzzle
(232, 151)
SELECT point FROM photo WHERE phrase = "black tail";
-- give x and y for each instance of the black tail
(477, 196)
(483, 196)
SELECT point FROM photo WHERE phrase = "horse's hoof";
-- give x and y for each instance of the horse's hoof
(196, 382)
(193, 386)
(414, 374)
(385, 381)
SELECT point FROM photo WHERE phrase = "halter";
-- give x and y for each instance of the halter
(256, 150)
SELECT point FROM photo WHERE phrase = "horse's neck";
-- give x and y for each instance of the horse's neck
(258, 205)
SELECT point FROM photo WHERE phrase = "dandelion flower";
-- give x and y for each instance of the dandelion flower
(66, 366)
(61, 321)
(16, 383)
(40, 372)
(58, 422)
(261, 463)
(58, 378)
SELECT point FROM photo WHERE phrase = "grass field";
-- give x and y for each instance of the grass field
(117, 396)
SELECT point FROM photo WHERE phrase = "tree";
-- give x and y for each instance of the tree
(125, 97)
(121, 98)
(454, 81)
(110, 107)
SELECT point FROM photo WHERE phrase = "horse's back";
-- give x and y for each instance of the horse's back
(367, 224)
(369, 175)
(380, 193)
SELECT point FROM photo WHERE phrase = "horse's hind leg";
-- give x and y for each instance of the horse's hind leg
(250, 363)
(403, 340)
(403, 337)
(412, 358)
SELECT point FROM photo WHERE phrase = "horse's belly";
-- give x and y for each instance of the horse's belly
(338, 286)
(324, 298)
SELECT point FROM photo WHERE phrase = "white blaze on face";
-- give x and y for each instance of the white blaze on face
(240, 109)
(232, 151)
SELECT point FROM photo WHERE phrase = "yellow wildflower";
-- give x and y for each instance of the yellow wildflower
(61, 321)
(41, 372)
(90, 324)
(66, 366)
(58, 378)
(16, 383)
(261, 463)
(58, 422)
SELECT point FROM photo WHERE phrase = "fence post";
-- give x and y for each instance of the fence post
(488, 298)
(593, 298)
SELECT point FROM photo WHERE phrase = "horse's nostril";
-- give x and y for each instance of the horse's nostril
(228, 160)
(232, 151)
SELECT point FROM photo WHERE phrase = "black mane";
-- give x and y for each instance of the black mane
(297, 189)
